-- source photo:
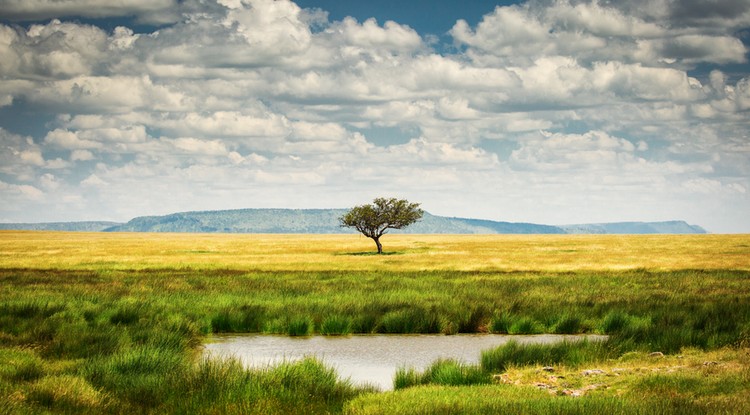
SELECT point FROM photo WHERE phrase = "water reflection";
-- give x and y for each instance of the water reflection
(368, 359)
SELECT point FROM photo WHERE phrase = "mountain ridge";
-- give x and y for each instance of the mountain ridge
(325, 221)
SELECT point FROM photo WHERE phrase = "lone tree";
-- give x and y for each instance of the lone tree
(374, 220)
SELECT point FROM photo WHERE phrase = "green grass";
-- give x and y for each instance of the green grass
(568, 353)
(441, 372)
(335, 325)
(113, 324)
(441, 400)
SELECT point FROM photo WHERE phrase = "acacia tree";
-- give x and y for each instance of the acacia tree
(374, 220)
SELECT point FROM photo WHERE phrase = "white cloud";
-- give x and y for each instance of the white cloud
(203, 147)
(268, 25)
(441, 153)
(260, 123)
(33, 157)
(69, 140)
(570, 152)
(49, 181)
(110, 94)
(14, 192)
(303, 130)
(81, 155)
(20, 156)
(93, 181)
(55, 50)
(600, 20)
(391, 36)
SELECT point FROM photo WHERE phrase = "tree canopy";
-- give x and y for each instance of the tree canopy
(375, 219)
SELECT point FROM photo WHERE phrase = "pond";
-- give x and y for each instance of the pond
(368, 359)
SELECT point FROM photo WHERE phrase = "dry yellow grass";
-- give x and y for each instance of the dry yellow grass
(24, 249)
(620, 376)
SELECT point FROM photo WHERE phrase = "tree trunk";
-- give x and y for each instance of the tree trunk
(380, 247)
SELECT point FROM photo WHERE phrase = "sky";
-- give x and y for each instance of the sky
(549, 111)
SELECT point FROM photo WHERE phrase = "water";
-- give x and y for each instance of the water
(368, 359)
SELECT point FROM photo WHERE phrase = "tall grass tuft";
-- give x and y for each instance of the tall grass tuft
(218, 384)
(569, 324)
(526, 325)
(406, 377)
(446, 372)
(307, 386)
(66, 394)
(138, 375)
(365, 323)
(300, 326)
(414, 320)
(30, 309)
(127, 314)
(84, 341)
(20, 365)
(452, 373)
(336, 326)
(568, 353)
(500, 323)
(238, 319)
(473, 320)
(614, 322)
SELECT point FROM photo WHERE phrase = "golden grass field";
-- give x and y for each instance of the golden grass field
(68, 250)
(113, 322)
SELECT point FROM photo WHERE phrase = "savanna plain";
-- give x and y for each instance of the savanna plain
(115, 323)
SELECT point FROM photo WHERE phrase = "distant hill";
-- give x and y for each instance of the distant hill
(240, 221)
(309, 221)
(672, 227)
(60, 226)
(325, 221)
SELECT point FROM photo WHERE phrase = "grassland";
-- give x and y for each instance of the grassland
(112, 323)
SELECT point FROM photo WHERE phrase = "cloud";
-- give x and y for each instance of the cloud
(391, 36)
(110, 94)
(442, 154)
(20, 156)
(242, 103)
(719, 13)
(148, 10)
(20, 193)
(225, 124)
(55, 50)
(93, 181)
(597, 31)
(694, 48)
(196, 146)
(81, 155)
(593, 150)
(69, 140)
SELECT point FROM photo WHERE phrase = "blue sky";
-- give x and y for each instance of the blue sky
(549, 111)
